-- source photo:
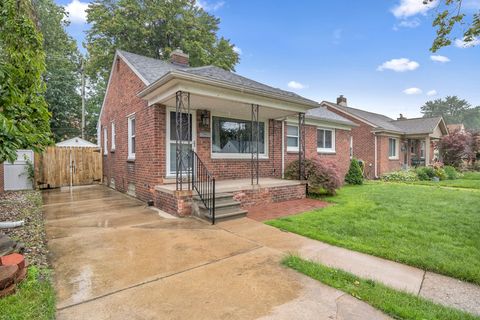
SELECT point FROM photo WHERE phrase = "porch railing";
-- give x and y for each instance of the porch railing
(204, 183)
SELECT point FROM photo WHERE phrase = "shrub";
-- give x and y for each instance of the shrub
(450, 172)
(319, 173)
(457, 147)
(425, 173)
(440, 173)
(354, 174)
(400, 176)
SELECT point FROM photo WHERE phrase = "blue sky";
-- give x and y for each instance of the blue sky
(373, 52)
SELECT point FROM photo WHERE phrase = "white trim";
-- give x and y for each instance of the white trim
(327, 150)
(376, 156)
(131, 155)
(283, 149)
(351, 147)
(105, 140)
(113, 136)
(290, 148)
(168, 173)
(397, 145)
(239, 156)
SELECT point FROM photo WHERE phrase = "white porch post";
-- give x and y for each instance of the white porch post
(427, 150)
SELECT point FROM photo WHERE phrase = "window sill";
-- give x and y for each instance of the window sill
(236, 157)
(393, 158)
(326, 151)
(112, 151)
(292, 150)
(131, 160)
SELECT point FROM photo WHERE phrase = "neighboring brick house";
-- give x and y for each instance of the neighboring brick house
(385, 144)
(154, 107)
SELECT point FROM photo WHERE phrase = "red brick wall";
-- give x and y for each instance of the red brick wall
(384, 163)
(363, 143)
(149, 165)
(255, 196)
(1, 178)
(341, 157)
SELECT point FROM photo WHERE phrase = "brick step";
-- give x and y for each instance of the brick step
(226, 203)
(218, 196)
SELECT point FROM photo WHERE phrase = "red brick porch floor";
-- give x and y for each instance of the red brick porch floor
(285, 208)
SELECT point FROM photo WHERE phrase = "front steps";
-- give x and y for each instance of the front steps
(225, 208)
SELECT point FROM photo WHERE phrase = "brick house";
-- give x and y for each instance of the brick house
(385, 144)
(214, 125)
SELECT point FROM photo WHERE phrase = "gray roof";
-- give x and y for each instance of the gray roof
(405, 126)
(325, 114)
(418, 125)
(153, 69)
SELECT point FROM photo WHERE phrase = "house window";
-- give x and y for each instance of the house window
(422, 149)
(292, 138)
(392, 148)
(233, 136)
(105, 141)
(325, 140)
(113, 136)
(131, 137)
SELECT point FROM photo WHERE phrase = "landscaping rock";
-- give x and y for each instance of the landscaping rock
(7, 276)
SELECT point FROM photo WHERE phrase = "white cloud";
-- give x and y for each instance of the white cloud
(432, 93)
(296, 85)
(77, 11)
(438, 58)
(412, 91)
(237, 50)
(462, 44)
(399, 65)
(409, 8)
(409, 23)
(203, 4)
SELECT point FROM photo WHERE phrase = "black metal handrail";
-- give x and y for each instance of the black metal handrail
(204, 183)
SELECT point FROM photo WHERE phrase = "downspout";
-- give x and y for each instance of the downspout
(283, 149)
(376, 155)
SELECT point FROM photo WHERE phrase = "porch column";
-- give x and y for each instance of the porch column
(301, 145)
(183, 143)
(254, 143)
(427, 150)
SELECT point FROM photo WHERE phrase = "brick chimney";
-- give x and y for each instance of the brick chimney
(178, 57)
(342, 101)
(401, 117)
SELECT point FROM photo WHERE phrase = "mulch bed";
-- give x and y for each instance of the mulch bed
(276, 210)
(26, 205)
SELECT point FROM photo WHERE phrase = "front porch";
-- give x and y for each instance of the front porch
(420, 151)
(233, 196)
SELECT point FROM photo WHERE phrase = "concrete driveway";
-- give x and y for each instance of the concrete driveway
(116, 259)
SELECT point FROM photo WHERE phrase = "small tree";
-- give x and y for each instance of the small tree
(354, 174)
(456, 148)
(319, 173)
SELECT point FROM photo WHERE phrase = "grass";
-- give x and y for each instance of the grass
(397, 304)
(436, 229)
(34, 299)
(469, 180)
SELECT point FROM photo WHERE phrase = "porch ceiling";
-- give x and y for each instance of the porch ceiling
(230, 108)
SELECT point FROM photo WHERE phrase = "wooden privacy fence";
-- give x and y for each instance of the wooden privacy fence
(59, 166)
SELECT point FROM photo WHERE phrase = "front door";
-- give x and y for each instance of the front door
(188, 140)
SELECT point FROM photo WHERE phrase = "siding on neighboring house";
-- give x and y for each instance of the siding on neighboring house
(1, 178)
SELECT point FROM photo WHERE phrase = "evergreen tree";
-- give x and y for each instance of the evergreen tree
(354, 174)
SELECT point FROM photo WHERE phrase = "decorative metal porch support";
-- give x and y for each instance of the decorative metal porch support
(301, 145)
(255, 141)
(183, 141)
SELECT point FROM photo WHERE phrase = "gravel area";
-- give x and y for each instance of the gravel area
(27, 206)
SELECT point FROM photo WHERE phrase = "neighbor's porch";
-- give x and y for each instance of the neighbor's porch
(420, 151)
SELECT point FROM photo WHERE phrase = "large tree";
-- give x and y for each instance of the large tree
(453, 110)
(453, 23)
(24, 117)
(152, 28)
(62, 70)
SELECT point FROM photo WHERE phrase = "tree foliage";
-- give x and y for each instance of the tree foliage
(354, 174)
(62, 75)
(24, 117)
(458, 147)
(153, 29)
(451, 17)
(453, 110)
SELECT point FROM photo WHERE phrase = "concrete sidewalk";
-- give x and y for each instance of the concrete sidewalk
(438, 288)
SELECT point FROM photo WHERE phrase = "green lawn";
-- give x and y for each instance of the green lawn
(436, 229)
(34, 299)
(469, 180)
(397, 304)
